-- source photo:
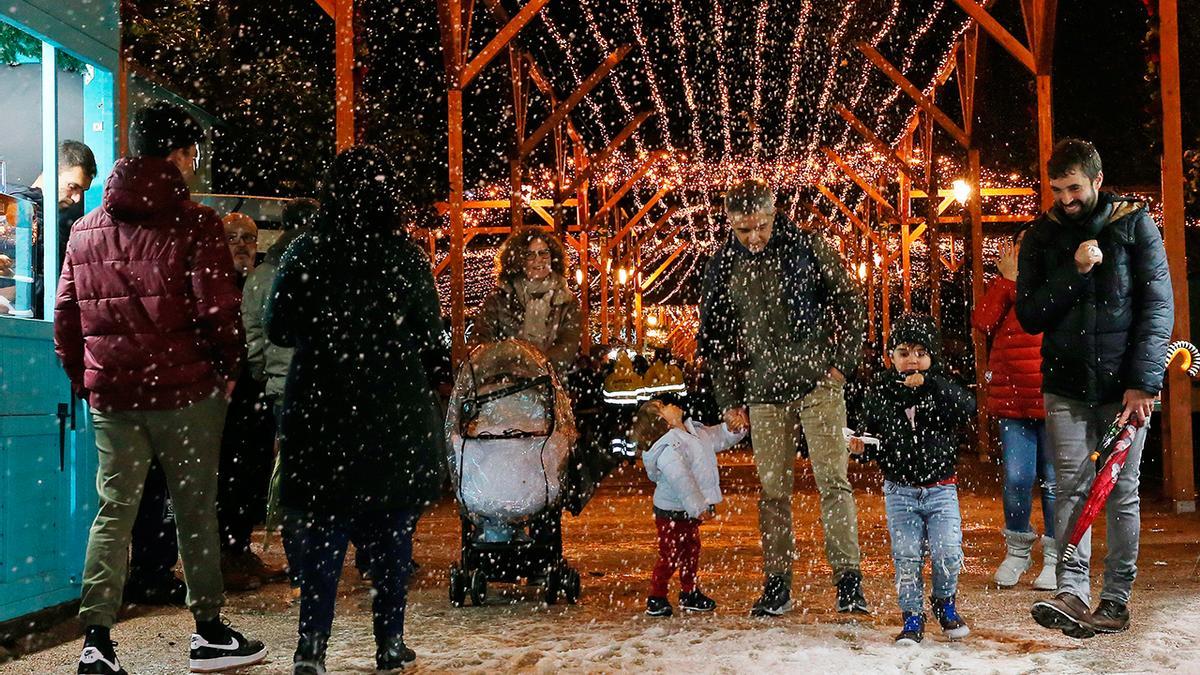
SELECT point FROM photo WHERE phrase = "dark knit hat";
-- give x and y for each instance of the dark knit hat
(917, 329)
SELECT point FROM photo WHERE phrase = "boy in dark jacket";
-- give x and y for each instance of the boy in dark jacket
(914, 411)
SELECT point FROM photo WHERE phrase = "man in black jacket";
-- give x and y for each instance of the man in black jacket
(1093, 279)
(781, 321)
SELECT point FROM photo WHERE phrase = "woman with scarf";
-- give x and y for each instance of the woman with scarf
(532, 301)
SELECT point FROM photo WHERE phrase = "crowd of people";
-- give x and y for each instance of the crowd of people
(306, 391)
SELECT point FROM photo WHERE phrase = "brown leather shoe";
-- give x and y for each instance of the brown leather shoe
(1066, 613)
(1110, 617)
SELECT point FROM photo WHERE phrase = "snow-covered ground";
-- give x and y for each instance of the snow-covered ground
(612, 544)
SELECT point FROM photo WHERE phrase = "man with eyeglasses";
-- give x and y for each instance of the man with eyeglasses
(241, 233)
(246, 445)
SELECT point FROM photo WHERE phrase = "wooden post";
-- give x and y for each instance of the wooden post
(635, 279)
(1045, 126)
(451, 22)
(1179, 482)
(975, 213)
(605, 270)
(869, 263)
(581, 217)
(344, 72)
(905, 214)
(518, 68)
(933, 229)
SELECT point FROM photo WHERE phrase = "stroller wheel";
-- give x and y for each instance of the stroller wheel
(458, 586)
(478, 588)
(571, 586)
(553, 583)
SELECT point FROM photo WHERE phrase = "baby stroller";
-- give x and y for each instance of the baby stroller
(510, 437)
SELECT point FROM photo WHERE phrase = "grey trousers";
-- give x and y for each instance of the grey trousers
(1073, 429)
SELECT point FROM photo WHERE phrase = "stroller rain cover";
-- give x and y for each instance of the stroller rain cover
(510, 432)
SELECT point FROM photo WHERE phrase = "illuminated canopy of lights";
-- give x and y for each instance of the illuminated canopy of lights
(740, 88)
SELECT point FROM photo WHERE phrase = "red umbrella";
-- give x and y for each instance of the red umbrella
(1109, 456)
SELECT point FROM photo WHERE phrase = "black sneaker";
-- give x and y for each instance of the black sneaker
(392, 654)
(223, 648)
(947, 615)
(309, 658)
(696, 601)
(657, 606)
(850, 598)
(776, 598)
(913, 631)
(99, 656)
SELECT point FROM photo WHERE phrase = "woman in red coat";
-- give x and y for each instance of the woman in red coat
(1015, 397)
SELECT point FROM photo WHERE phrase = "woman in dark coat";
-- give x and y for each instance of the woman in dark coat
(359, 426)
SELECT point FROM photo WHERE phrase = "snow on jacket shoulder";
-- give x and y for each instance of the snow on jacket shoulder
(147, 312)
(683, 466)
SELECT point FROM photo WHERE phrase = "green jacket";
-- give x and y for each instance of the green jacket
(812, 318)
(266, 361)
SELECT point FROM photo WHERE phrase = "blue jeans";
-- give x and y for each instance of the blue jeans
(923, 520)
(1026, 458)
(319, 542)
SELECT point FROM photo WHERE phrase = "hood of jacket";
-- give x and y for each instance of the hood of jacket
(275, 253)
(142, 188)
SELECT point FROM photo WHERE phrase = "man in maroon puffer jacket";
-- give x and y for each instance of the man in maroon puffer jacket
(148, 329)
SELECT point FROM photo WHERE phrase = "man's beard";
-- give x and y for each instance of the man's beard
(1085, 211)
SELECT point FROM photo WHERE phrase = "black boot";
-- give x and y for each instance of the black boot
(392, 654)
(850, 598)
(776, 598)
(309, 658)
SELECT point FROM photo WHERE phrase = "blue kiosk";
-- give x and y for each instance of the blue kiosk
(47, 449)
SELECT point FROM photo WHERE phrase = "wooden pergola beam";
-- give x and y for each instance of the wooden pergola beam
(561, 110)
(499, 41)
(597, 162)
(443, 207)
(616, 197)
(343, 60)
(880, 146)
(915, 94)
(658, 224)
(646, 283)
(328, 6)
(1045, 41)
(848, 212)
(860, 182)
(637, 218)
(999, 33)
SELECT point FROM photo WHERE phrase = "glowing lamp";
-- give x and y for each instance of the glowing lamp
(962, 191)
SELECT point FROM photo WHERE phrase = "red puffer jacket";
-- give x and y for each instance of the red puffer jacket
(148, 315)
(1015, 362)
